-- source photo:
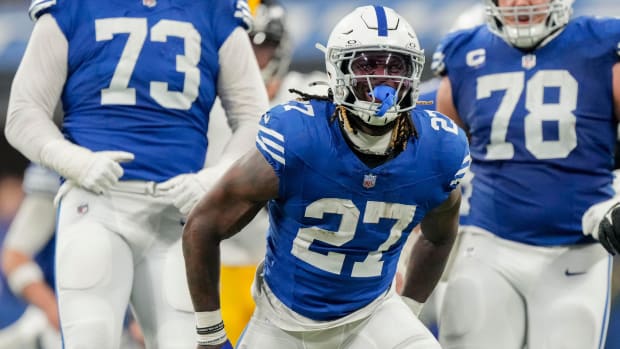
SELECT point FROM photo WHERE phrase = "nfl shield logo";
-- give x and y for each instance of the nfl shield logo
(369, 181)
(528, 61)
(149, 3)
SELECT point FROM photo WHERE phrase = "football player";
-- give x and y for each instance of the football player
(241, 254)
(346, 178)
(539, 95)
(137, 81)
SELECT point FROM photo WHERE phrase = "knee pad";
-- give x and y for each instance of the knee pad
(571, 326)
(460, 311)
(83, 256)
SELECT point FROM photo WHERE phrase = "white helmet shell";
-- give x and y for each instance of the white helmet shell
(373, 29)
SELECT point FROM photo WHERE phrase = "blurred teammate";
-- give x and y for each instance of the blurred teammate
(28, 263)
(539, 95)
(346, 178)
(473, 16)
(137, 81)
(241, 254)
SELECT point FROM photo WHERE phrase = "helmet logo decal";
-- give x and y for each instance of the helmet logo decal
(369, 181)
(381, 21)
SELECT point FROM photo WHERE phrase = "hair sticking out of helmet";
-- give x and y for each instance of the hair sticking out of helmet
(371, 49)
(527, 26)
(271, 41)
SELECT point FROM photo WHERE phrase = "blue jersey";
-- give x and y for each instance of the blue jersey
(142, 77)
(541, 124)
(338, 226)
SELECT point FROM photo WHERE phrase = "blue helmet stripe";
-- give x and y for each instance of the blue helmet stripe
(381, 21)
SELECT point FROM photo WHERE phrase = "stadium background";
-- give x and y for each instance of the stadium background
(309, 22)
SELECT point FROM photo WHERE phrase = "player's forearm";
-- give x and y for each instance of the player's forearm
(201, 250)
(426, 265)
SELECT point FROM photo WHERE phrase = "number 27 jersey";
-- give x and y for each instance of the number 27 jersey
(541, 124)
(338, 226)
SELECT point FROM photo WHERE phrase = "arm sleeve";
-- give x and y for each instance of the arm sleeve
(36, 89)
(241, 91)
(33, 226)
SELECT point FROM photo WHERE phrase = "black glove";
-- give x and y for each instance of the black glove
(609, 230)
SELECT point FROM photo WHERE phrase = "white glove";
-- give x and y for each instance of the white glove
(187, 189)
(94, 171)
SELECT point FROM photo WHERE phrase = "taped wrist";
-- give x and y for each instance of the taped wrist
(66, 158)
(23, 276)
(210, 328)
(415, 306)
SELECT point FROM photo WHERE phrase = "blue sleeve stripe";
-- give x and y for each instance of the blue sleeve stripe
(39, 5)
(381, 21)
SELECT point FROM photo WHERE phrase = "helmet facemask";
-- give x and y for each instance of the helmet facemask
(527, 26)
(368, 76)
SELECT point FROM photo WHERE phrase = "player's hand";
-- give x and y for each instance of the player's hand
(187, 189)
(609, 230)
(103, 171)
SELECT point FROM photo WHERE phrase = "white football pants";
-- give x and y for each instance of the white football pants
(118, 248)
(508, 295)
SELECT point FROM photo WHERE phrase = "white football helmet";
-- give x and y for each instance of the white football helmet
(527, 26)
(368, 38)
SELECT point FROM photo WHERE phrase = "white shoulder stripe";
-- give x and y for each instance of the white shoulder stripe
(273, 155)
(461, 173)
(272, 144)
(271, 132)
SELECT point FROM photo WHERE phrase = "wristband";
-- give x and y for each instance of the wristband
(210, 328)
(23, 276)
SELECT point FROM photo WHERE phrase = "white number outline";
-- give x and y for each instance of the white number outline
(562, 112)
(119, 92)
(333, 262)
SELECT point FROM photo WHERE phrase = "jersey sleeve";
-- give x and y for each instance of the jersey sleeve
(271, 139)
(40, 180)
(228, 15)
(444, 54)
(452, 150)
(607, 31)
(40, 7)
